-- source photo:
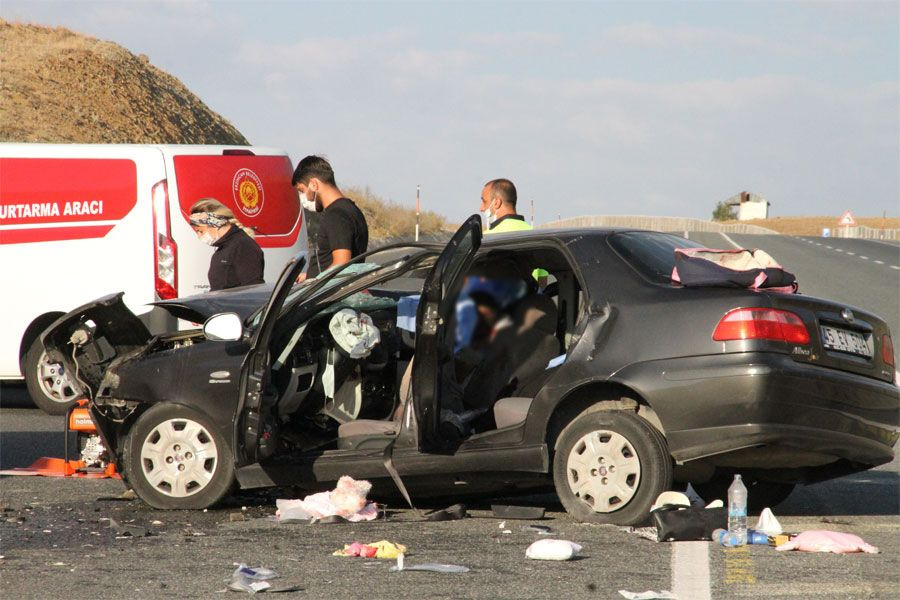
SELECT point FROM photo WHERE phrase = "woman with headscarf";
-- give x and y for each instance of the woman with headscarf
(238, 259)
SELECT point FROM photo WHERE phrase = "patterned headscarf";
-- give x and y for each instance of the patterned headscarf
(209, 219)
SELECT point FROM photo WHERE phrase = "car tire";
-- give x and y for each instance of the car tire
(50, 387)
(175, 458)
(760, 493)
(609, 467)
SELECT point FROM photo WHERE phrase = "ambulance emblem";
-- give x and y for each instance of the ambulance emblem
(247, 190)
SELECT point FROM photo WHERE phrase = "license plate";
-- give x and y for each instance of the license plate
(845, 341)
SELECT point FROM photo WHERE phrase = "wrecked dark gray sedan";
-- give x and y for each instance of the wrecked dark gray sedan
(466, 376)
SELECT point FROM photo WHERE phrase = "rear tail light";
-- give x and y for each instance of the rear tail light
(761, 324)
(887, 350)
(165, 250)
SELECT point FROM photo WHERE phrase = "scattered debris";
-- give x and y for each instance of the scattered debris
(553, 550)
(694, 498)
(820, 540)
(649, 595)
(433, 567)
(451, 513)
(347, 500)
(382, 549)
(538, 529)
(768, 524)
(232, 517)
(648, 533)
(123, 531)
(670, 499)
(832, 521)
(251, 580)
(531, 513)
(126, 496)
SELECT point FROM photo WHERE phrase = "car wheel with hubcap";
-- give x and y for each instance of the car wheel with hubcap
(610, 466)
(48, 383)
(176, 459)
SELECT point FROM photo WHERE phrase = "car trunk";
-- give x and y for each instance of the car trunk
(841, 337)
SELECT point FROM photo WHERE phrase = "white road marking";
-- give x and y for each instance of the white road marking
(829, 247)
(864, 257)
(818, 243)
(729, 240)
(879, 262)
(690, 569)
(838, 250)
(851, 253)
(895, 267)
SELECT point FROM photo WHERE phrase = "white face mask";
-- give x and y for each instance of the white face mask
(489, 218)
(308, 204)
(207, 238)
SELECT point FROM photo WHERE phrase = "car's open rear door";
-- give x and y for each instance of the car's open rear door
(252, 406)
(434, 344)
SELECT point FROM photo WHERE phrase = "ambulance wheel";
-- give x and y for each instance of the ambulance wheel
(49, 385)
(175, 458)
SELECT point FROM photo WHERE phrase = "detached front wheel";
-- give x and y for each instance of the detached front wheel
(175, 458)
(610, 466)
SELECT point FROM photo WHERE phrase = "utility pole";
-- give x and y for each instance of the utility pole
(418, 187)
(532, 214)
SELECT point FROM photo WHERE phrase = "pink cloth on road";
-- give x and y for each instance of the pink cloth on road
(820, 540)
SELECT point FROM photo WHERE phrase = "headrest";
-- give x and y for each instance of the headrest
(536, 312)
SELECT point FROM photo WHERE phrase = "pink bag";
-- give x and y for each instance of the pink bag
(820, 540)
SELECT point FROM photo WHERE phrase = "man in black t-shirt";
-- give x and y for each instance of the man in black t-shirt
(341, 232)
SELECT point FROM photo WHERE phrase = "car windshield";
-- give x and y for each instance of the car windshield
(651, 253)
(391, 257)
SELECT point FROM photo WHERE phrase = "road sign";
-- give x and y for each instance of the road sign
(847, 219)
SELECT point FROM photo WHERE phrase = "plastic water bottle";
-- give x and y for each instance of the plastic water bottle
(757, 537)
(725, 538)
(737, 510)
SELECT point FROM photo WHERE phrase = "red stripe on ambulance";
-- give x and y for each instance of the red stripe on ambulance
(33, 203)
(53, 234)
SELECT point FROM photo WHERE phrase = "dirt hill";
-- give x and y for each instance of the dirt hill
(60, 86)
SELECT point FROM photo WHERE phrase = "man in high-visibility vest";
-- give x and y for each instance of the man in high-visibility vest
(498, 207)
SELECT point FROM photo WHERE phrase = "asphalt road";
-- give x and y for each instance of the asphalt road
(56, 542)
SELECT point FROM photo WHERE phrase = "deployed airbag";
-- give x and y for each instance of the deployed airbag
(354, 332)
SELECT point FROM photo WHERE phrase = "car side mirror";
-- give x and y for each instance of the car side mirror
(225, 327)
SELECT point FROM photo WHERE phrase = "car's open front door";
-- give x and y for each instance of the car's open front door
(252, 406)
(434, 344)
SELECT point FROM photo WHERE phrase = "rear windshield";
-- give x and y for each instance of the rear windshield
(651, 253)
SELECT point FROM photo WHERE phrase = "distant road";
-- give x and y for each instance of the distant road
(861, 273)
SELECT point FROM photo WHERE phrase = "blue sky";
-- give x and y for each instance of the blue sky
(656, 108)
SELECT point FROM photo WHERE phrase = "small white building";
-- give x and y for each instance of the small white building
(749, 206)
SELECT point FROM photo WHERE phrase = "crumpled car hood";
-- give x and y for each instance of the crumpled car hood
(107, 328)
(243, 300)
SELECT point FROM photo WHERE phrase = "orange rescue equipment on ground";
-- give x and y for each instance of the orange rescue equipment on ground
(94, 459)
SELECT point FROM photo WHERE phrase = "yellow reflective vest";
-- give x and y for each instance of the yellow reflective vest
(517, 223)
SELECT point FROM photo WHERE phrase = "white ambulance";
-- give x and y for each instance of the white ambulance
(78, 221)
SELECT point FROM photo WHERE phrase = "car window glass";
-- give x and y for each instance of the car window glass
(652, 254)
